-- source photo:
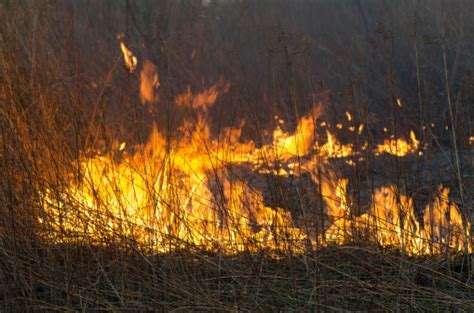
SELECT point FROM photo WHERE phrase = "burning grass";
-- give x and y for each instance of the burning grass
(130, 185)
(182, 192)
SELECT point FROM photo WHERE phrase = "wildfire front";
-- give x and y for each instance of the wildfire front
(236, 156)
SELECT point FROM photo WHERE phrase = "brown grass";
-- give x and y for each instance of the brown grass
(63, 90)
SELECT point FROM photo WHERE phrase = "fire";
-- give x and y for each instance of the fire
(391, 222)
(129, 58)
(149, 81)
(443, 224)
(399, 147)
(334, 149)
(349, 116)
(188, 193)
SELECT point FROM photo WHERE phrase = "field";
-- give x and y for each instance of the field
(308, 155)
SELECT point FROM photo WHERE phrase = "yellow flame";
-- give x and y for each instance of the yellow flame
(349, 116)
(399, 147)
(129, 58)
(334, 149)
(183, 193)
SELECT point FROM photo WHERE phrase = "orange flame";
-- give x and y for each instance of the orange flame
(129, 58)
(149, 81)
(399, 147)
(183, 193)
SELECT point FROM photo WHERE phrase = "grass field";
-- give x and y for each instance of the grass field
(236, 155)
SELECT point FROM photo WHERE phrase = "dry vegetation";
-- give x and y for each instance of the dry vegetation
(65, 94)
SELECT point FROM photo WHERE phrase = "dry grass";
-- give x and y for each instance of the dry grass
(63, 90)
(356, 278)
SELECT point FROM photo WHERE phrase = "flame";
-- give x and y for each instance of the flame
(286, 146)
(149, 81)
(349, 116)
(391, 222)
(399, 147)
(334, 149)
(186, 193)
(203, 100)
(129, 58)
(443, 224)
